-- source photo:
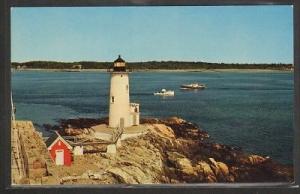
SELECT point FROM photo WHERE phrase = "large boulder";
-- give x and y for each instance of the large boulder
(175, 120)
(224, 168)
(205, 172)
(173, 157)
(220, 169)
(181, 167)
(164, 131)
(185, 166)
(256, 159)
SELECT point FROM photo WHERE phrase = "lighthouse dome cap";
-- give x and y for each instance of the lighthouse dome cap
(119, 60)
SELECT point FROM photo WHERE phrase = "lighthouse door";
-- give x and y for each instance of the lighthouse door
(121, 123)
(134, 120)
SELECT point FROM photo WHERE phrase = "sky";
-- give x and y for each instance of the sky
(223, 34)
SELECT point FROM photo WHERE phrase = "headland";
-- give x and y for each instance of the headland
(170, 151)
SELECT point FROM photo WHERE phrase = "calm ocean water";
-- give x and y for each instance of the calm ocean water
(250, 110)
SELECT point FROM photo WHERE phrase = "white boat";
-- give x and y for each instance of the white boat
(193, 86)
(165, 92)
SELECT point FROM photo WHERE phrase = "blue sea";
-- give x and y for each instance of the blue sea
(251, 110)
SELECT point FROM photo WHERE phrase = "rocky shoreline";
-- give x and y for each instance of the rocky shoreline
(172, 151)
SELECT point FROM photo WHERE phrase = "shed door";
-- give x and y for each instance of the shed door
(59, 160)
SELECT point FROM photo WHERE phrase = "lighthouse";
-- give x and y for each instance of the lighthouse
(122, 113)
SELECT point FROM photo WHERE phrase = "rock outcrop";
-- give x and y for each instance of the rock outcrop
(172, 151)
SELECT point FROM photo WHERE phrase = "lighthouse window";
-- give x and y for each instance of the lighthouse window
(127, 87)
(112, 99)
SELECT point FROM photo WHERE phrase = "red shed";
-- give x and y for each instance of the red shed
(60, 150)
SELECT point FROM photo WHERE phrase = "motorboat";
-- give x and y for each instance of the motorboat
(192, 86)
(164, 92)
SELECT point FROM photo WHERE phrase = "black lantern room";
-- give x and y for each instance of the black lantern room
(119, 64)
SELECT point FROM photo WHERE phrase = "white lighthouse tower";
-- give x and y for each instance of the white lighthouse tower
(122, 113)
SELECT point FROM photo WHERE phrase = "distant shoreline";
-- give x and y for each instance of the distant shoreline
(154, 66)
(161, 70)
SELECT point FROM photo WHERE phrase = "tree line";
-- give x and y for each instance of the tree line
(155, 65)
